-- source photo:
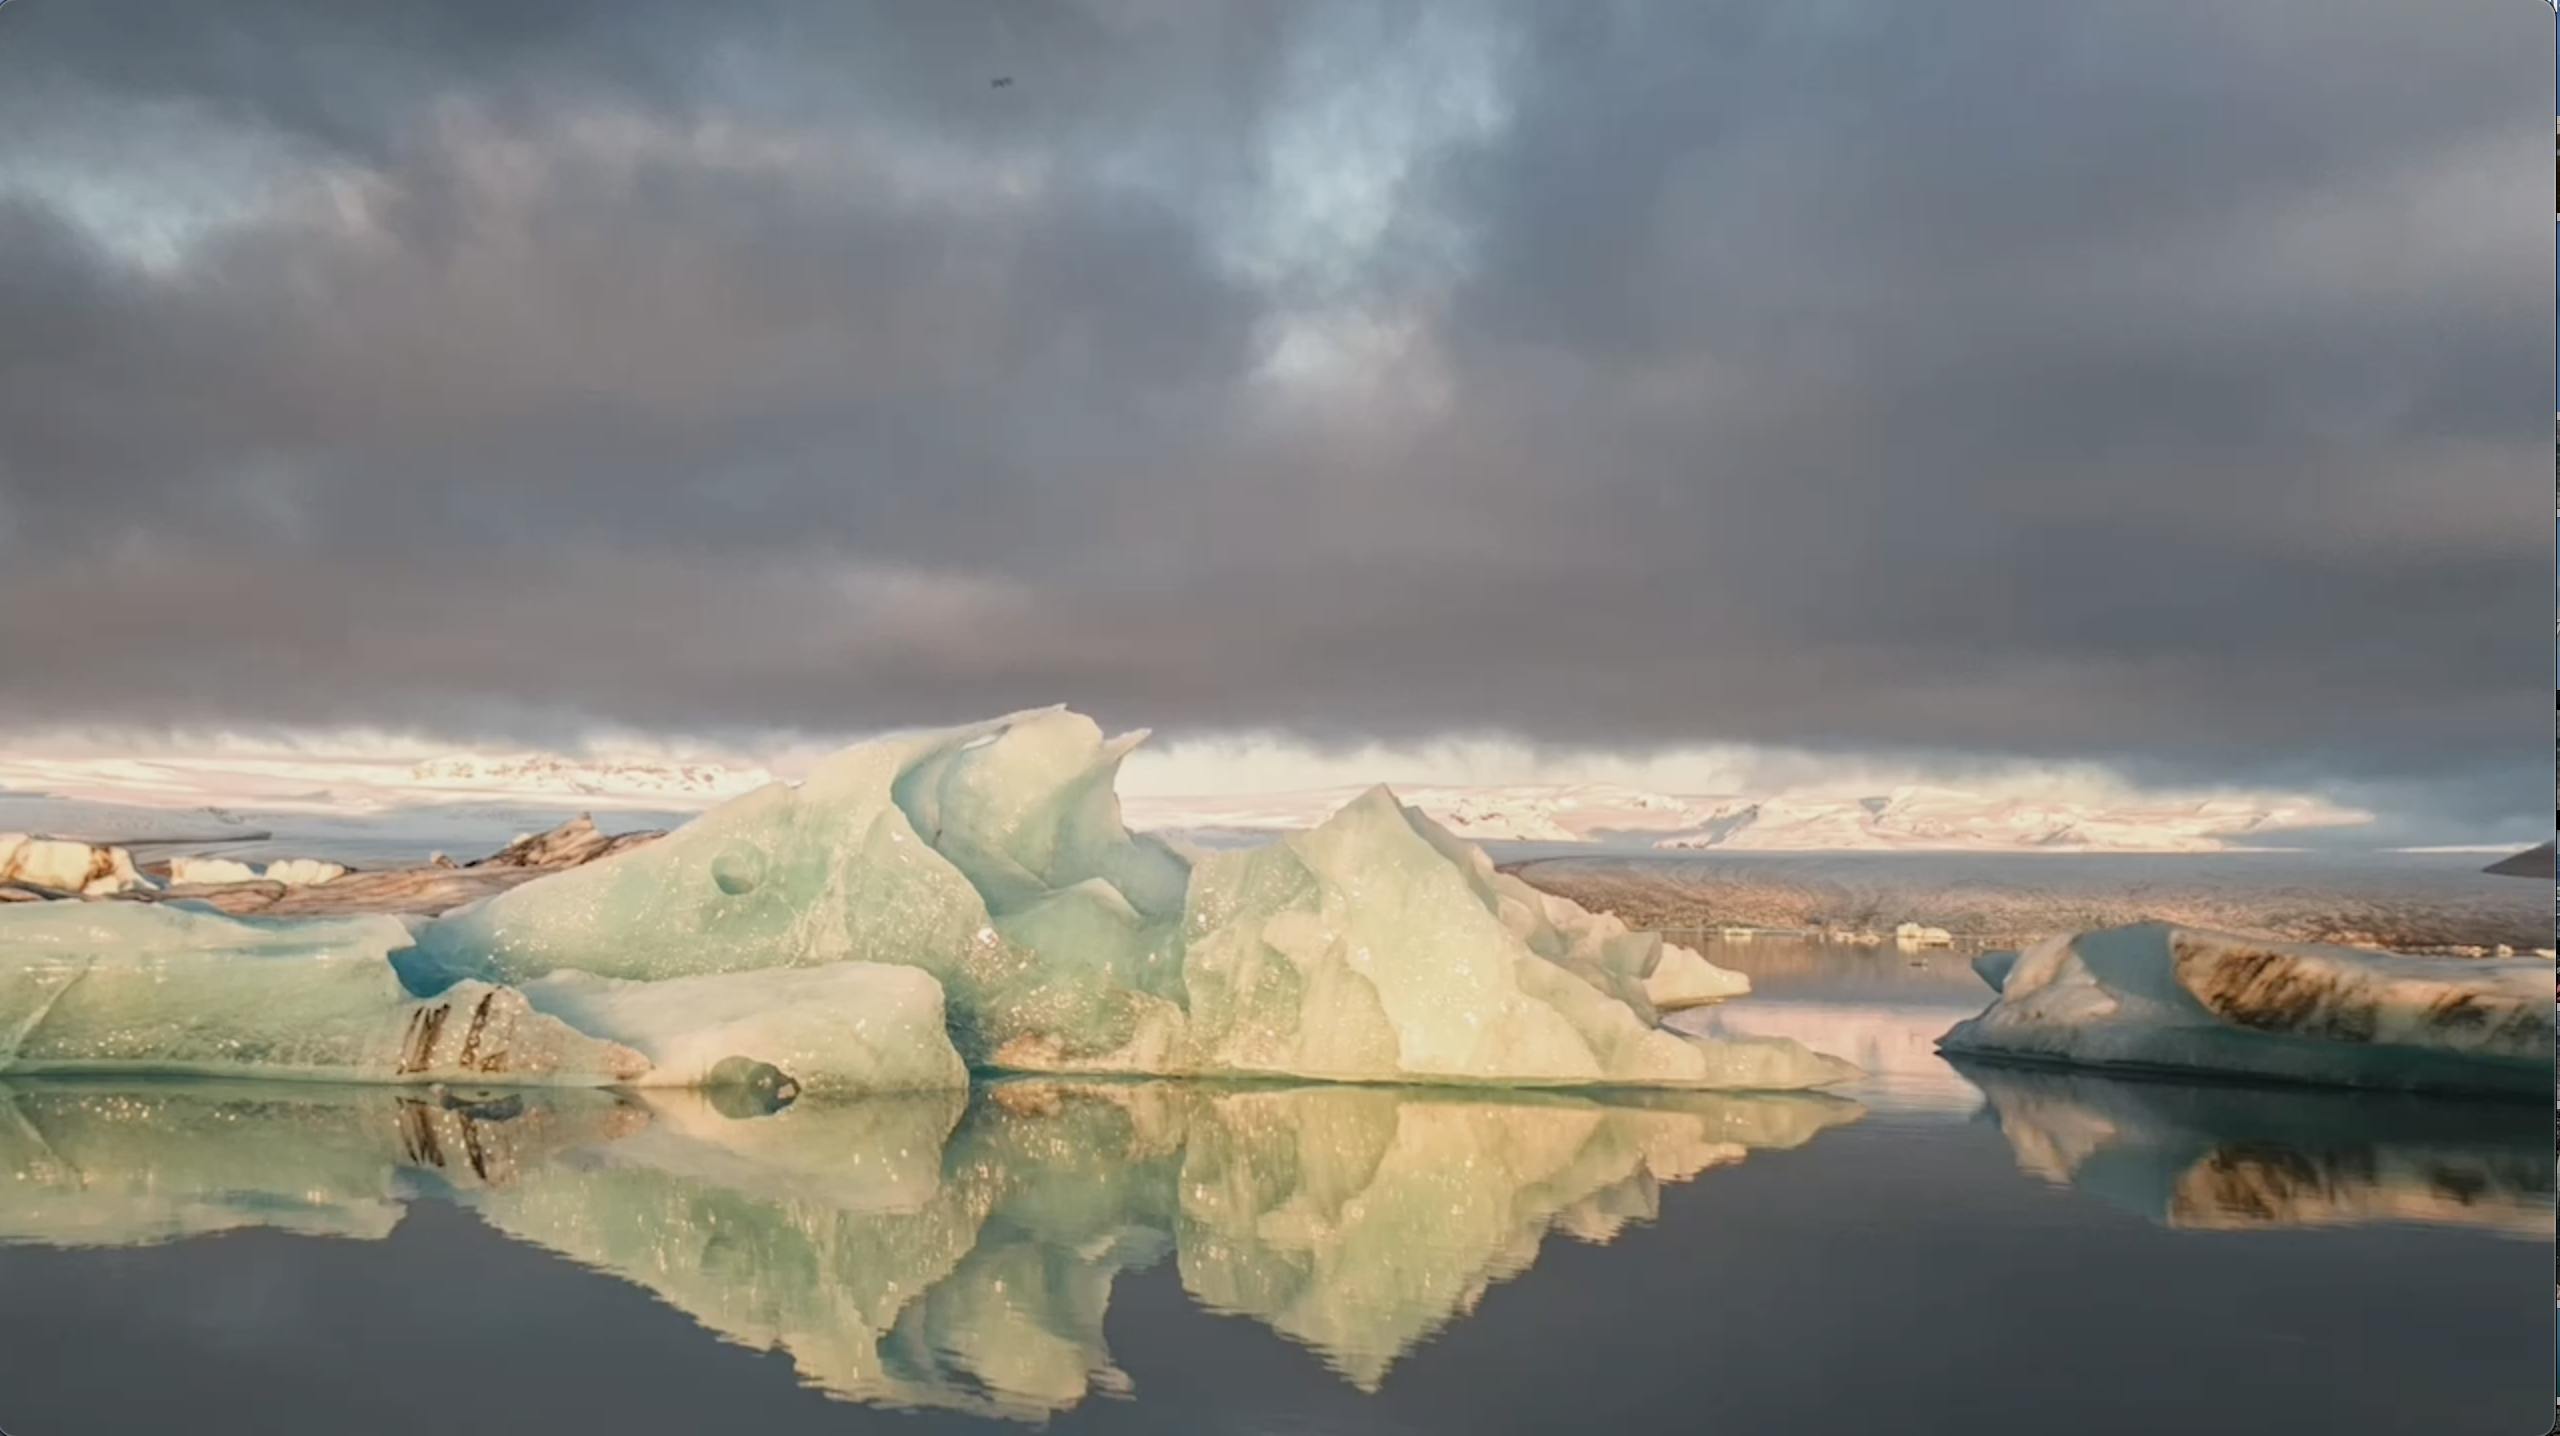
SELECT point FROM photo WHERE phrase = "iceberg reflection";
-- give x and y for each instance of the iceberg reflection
(942, 1249)
(133, 1164)
(2223, 1158)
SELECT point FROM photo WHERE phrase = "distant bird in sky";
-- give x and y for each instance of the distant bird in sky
(999, 82)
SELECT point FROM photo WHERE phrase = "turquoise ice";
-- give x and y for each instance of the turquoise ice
(993, 857)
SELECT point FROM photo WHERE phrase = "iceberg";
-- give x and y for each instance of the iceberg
(2152, 996)
(993, 857)
(907, 851)
(1682, 978)
(2225, 1157)
(1376, 944)
(129, 988)
(134, 988)
(918, 905)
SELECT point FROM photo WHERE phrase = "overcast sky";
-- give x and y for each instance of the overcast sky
(2153, 385)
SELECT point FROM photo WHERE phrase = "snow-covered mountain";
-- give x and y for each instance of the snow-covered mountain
(1947, 818)
(118, 798)
(1906, 818)
(351, 785)
(1550, 813)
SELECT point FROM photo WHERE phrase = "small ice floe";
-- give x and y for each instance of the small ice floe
(222, 872)
(2165, 998)
(61, 866)
(303, 872)
(207, 872)
(1912, 934)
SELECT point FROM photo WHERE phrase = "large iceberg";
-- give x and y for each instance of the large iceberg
(993, 857)
(2153, 996)
(919, 905)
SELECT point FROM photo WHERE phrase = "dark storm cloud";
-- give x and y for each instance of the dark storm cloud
(2152, 383)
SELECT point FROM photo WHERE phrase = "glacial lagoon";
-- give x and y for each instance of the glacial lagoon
(1946, 1248)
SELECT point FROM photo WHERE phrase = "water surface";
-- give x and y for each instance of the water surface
(1976, 1250)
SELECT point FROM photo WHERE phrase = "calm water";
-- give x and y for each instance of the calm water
(1935, 1250)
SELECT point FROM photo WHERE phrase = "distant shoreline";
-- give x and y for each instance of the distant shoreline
(2412, 905)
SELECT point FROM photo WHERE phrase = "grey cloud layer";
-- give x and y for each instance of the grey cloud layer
(2155, 383)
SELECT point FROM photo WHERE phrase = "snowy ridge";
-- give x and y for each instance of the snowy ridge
(1906, 818)
(377, 783)
(216, 789)
(1916, 817)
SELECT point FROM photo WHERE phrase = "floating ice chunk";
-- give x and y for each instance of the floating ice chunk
(849, 1027)
(1912, 934)
(67, 866)
(130, 988)
(1684, 979)
(1377, 945)
(210, 871)
(303, 872)
(2162, 997)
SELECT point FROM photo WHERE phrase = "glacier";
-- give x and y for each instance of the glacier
(993, 857)
(2154, 996)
